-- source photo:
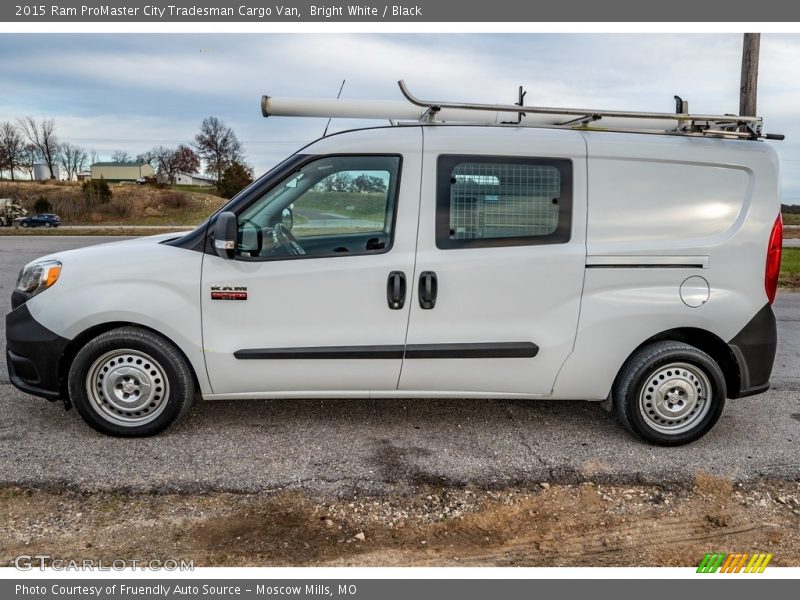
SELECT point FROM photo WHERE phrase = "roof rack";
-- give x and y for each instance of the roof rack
(681, 122)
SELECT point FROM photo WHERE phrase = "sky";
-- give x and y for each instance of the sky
(135, 91)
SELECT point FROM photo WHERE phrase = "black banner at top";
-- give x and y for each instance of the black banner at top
(515, 11)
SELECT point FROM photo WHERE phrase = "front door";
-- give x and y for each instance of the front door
(500, 261)
(313, 301)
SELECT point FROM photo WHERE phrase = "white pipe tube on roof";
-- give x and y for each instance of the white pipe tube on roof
(400, 110)
(395, 110)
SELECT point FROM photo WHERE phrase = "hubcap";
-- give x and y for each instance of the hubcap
(674, 398)
(127, 387)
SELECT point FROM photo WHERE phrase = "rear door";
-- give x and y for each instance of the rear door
(500, 261)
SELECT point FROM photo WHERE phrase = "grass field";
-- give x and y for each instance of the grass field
(129, 204)
(791, 219)
(197, 189)
(193, 214)
(790, 268)
(367, 206)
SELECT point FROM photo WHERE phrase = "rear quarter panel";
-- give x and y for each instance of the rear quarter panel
(652, 197)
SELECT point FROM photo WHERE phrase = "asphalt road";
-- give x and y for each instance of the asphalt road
(381, 446)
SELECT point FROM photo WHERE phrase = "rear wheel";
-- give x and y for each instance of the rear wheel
(669, 393)
(130, 382)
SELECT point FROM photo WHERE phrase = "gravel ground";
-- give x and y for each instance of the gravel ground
(333, 448)
(546, 525)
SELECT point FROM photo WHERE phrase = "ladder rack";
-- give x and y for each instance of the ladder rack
(681, 122)
(733, 126)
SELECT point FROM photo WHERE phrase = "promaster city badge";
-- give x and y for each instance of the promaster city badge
(229, 292)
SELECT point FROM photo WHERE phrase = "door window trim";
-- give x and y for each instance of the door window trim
(445, 165)
(308, 159)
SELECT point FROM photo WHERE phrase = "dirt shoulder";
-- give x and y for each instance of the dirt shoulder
(549, 525)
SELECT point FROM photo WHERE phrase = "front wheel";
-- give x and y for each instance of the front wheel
(669, 393)
(130, 382)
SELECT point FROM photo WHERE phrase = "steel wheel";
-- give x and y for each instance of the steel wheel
(669, 393)
(127, 387)
(675, 397)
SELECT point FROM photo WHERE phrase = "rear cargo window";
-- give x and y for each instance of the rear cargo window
(502, 201)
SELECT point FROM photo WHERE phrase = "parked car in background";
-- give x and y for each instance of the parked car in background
(44, 220)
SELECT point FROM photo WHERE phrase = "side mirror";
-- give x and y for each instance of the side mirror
(287, 218)
(225, 232)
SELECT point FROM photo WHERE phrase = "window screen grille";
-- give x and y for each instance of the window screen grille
(498, 200)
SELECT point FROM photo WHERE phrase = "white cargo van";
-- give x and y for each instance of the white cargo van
(454, 256)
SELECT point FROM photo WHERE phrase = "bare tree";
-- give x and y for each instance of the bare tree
(12, 146)
(149, 158)
(218, 146)
(169, 162)
(120, 156)
(29, 157)
(94, 157)
(186, 160)
(73, 159)
(163, 159)
(42, 135)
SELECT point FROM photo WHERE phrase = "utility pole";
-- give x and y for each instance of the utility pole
(749, 85)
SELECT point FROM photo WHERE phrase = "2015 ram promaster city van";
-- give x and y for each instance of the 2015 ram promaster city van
(541, 258)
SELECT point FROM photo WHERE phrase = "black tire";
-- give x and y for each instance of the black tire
(660, 413)
(126, 354)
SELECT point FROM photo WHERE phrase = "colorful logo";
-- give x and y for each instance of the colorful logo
(719, 562)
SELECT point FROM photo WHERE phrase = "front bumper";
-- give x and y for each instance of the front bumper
(33, 354)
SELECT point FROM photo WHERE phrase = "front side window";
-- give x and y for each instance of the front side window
(335, 205)
(502, 201)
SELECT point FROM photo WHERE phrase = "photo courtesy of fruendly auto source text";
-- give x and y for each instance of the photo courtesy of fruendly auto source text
(374, 301)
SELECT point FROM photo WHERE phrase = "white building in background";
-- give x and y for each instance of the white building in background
(121, 171)
(42, 173)
(189, 179)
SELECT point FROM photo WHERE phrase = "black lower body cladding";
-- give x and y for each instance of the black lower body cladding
(33, 353)
(754, 348)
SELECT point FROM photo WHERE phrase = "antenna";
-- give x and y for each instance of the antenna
(339, 95)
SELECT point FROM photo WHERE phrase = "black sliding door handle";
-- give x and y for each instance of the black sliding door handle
(428, 289)
(396, 290)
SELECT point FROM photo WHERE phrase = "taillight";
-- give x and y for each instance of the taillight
(774, 259)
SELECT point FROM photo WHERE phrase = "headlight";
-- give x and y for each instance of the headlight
(37, 277)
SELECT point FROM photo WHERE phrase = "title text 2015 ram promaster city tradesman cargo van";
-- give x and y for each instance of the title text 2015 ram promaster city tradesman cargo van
(478, 251)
